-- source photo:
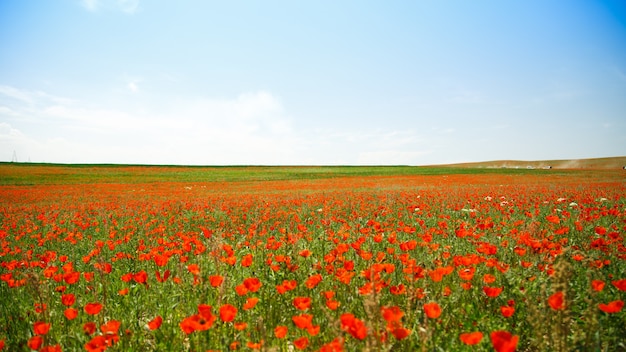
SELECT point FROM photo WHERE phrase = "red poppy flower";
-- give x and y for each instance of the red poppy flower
(194, 269)
(93, 308)
(216, 280)
(507, 311)
(400, 333)
(41, 328)
(68, 299)
(163, 278)
(241, 290)
(313, 330)
(467, 273)
(313, 281)
(35, 342)
(280, 331)
(71, 278)
(250, 303)
(253, 284)
(155, 323)
(471, 338)
(492, 291)
(620, 284)
(432, 310)
(302, 303)
(503, 341)
(553, 219)
(228, 313)
(611, 307)
(96, 344)
(89, 328)
(70, 313)
(110, 327)
(302, 321)
(301, 343)
(353, 326)
(332, 304)
(397, 290)
(488, 278)
(240, 326)
(392, 314)
(141, 277)
(597, 285)
(246, 261)
(556, 300)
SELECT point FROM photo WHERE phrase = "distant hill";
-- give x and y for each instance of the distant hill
(595, 163)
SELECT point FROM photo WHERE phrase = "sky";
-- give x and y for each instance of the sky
(324, 82)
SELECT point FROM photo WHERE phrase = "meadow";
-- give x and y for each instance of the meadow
(147, 258)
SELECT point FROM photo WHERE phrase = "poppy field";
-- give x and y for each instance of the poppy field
(131, 258)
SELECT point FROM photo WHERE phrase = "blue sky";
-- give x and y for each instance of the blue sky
(311, 82)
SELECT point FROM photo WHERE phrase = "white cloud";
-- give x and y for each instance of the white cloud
(251, 128)
(127, 6)
(133, 87)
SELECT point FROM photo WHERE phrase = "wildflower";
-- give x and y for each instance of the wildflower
(556, 301)
(246, 261)
(155, 323)
(467, 273)
(35, 342)
(194, 269)
(41, 328)
(353, 326)
(335, 345)
(70, 313)
(302, 321)
(620, 284)
(250, 303)
(597, 285)
(93, 308)
(111, 327)
(163, 278)
(302, 303)
(228, 313)
(68, 299)
(89, 328)
(553, 219)
(301, 343)
(280, 331)
(240, 326)
(241, 289)
(503, 341)
(471, 338)
(611, 307)
(488, 278)
(141, 277)
(216, 280)
(492, 291)
(507, 311)
(400, 333)
(313, 280)
(96, 344)
(313, 330)
(253, 284)
(432, 310)
(397, 290)
(392, 314)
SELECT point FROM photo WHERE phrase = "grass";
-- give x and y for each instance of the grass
(59, 174)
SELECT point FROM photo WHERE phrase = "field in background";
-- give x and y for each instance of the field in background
(136, 258)
(592, 164)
